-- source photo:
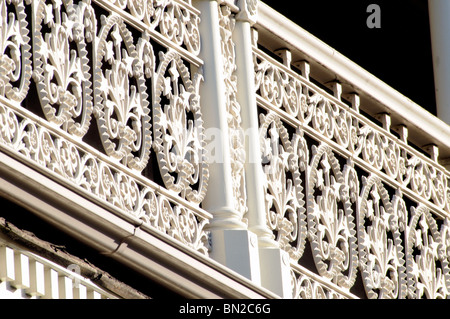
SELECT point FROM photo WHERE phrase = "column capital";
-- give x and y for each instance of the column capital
(248, 11)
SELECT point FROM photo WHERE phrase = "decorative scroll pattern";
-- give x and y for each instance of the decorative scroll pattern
(284, 205)
(352, 132)
(304, 287)
(121, 105)
(15, 57)
(330, 220)
(102, 180)
(359, 220)
(379, 243)
(179, 129)
(88, 66)
(227, 21)
(61, 64)
(173, 19)
(366, 203)
(427, 258)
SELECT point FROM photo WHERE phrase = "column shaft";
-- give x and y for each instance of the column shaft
(439, 11)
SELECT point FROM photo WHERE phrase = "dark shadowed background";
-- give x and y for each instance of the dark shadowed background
(398, 53)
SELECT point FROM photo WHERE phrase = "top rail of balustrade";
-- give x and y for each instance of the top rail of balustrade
(328, 66)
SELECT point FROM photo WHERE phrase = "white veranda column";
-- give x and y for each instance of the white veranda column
(232, 244)
(439, 11)
(275, 269)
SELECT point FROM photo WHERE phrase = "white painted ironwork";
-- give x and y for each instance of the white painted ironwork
(365, 188)
(116, 100)
(88, 66)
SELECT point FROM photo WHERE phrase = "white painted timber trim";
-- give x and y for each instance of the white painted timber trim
(422, 125)
(143, 249)
(25, 275)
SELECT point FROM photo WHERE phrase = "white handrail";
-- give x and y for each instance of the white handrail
(424, 128)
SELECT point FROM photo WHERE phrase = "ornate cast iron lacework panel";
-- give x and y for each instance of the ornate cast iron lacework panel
(366, 206)
(101, 93)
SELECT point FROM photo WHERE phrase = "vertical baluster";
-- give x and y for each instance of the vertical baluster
(304, 67)
(65, 287)
(286, 56)
(37, 282)
(79, 291)
(51, 283)
(92, 294)
(22, 271)
(336, 87)
(6, 263)
(433, 151)
(402, 131)
(354, 99)
(385, 120)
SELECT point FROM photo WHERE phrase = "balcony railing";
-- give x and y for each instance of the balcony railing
(120, 102)
(26, 275)
(361, 197)
(361, 194)
(76, 86)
